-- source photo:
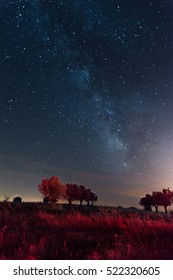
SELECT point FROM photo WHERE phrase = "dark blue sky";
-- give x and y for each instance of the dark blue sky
(86, 94)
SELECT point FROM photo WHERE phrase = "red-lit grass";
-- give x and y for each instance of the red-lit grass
(41, 233)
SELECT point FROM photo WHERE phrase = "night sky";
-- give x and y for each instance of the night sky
(86, 93)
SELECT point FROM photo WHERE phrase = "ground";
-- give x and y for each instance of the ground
(39, 231)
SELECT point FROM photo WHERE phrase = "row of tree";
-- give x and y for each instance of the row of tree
(158, 198)
(52, 190)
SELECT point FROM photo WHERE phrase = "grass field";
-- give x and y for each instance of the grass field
(42, 232)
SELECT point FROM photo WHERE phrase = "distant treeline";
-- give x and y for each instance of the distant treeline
(52, 190)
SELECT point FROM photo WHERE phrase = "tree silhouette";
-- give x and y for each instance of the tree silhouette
(17, 199)
(166, 198)
(71, 192)
(90, 197)
(51, 188)
(156, 196)
(146, 202)
(82, 194)
(93, 198)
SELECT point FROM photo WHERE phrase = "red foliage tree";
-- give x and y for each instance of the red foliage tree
(51, 188)
(166, 198)
(156, 199)
(71, 192)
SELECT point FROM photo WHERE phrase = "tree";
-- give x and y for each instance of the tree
(90, 197)
(157, 199)
(146, 202)
(71, 192)
(166, 198)
(82, 194)
(93, 198)
(51, 188)
(17, 199)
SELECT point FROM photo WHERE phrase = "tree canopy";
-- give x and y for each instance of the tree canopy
(157, 198)
(52, 190)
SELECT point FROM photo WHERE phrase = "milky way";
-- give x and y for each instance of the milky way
(86, 94)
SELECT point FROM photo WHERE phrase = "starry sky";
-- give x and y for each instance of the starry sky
(86, 93)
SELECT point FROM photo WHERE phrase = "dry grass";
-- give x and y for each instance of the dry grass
(45, 233)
